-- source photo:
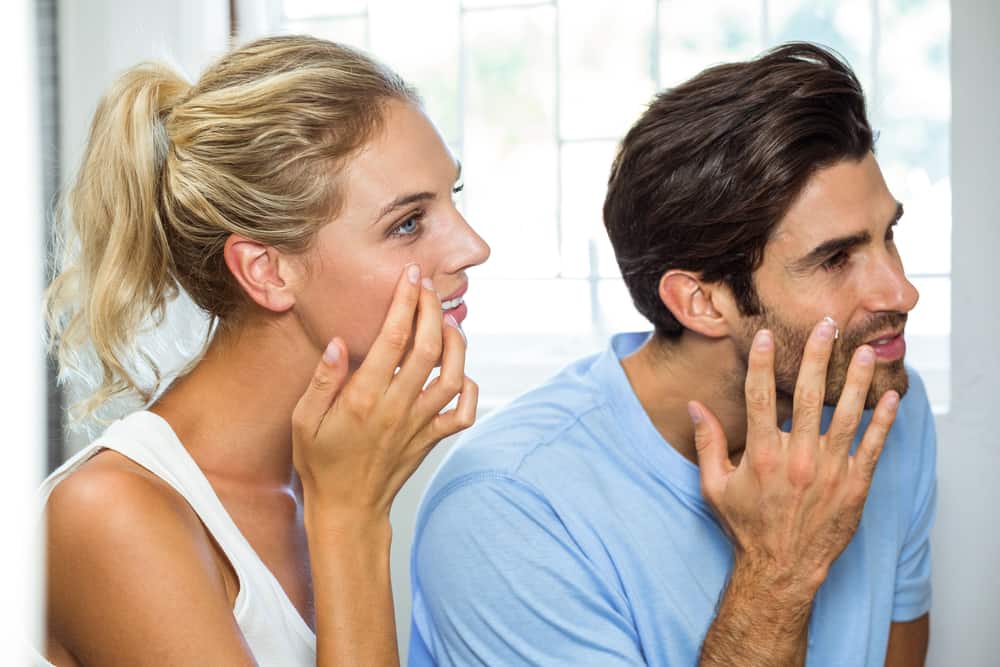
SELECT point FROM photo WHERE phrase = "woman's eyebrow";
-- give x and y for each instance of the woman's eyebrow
(404, 200)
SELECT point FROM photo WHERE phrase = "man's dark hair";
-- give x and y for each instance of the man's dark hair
(704, 176)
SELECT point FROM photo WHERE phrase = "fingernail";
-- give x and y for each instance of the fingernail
(413, 273)
(450, 320)
(428, 283)
(866, 355)
(331, 354)
(892, 400)
(827, 329)
(763, 340)
(695, 413)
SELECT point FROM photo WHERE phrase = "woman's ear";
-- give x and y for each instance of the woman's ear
(262, 271)
(699, 306)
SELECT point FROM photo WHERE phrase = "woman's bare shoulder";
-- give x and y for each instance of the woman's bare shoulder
(131, 570)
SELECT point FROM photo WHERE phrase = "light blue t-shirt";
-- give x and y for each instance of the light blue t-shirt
(563, 530)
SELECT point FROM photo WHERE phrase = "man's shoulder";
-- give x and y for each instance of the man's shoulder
(531, 436)
(914, 416)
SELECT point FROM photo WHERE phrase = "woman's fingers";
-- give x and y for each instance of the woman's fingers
(425, 351)
(390, 345)
(451, 381)
(810, 389)
(326, 383)
(459, 418)
(847, 416)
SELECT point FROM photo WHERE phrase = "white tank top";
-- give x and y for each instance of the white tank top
(272, 626)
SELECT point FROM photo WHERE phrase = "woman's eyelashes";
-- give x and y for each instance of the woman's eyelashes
(410, 226)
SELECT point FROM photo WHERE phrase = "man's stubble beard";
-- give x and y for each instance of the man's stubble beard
(790, 344)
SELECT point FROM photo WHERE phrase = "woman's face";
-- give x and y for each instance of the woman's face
(398, 208)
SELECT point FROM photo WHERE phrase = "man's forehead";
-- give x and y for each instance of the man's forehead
(849, 197)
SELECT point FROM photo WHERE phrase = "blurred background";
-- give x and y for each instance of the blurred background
(533, 96)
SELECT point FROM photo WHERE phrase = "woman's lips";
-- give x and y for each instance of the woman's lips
(459, 312)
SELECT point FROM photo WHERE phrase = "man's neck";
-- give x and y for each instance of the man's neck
(666, 375)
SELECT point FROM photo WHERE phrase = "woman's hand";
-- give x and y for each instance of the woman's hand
(356, 444)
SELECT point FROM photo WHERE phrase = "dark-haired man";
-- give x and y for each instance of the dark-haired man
(645, 506)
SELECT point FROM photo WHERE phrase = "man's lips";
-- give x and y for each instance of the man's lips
(888, 347)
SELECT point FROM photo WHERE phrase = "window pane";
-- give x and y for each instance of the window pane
(927, 338)
(694, 36)
(605, 74)
(491, 4)
(419, 40)
(302, 9)
(350, 31)
(843, 25)
(525, 306)
(914, 103)
(586, 250)
(509, 147)
(923, 236)
(617, 312)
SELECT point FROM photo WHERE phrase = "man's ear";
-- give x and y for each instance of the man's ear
(697, 305)
(262, 271)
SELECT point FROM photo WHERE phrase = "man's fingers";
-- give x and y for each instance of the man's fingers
(868, 451)
(759, 390)
(810, 389)
(847, 416)
(380, 364)
(326, 383)
(711, 448)
(425, 352)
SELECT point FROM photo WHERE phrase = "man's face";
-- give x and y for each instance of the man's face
(833, 255)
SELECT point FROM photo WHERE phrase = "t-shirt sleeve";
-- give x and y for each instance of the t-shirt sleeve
(499, 580)
(913, 571)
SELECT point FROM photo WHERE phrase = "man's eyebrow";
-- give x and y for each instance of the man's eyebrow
(413, 197)
(829, 248)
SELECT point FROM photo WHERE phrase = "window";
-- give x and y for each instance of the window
(533, 97)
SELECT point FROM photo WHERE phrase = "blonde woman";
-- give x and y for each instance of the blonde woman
(303, 200)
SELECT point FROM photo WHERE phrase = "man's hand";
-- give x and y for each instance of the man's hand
(794, 501)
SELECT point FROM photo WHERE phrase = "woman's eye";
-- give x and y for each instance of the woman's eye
(409, 227)
(837, 261)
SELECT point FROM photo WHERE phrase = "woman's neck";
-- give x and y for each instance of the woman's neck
(233, 410)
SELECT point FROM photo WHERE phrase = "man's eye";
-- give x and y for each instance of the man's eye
(836, 262)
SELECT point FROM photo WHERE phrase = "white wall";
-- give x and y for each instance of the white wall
(965, 619)
(22, 395)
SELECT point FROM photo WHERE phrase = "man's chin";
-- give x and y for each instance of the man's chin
(888, 375)
(891, 375)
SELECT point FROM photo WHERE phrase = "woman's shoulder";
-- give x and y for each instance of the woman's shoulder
(125, 550)
(114, 515)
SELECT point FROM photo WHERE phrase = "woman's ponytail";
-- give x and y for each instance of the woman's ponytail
(115, 272)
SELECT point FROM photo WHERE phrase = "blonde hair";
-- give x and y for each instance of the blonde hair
(170, 171)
